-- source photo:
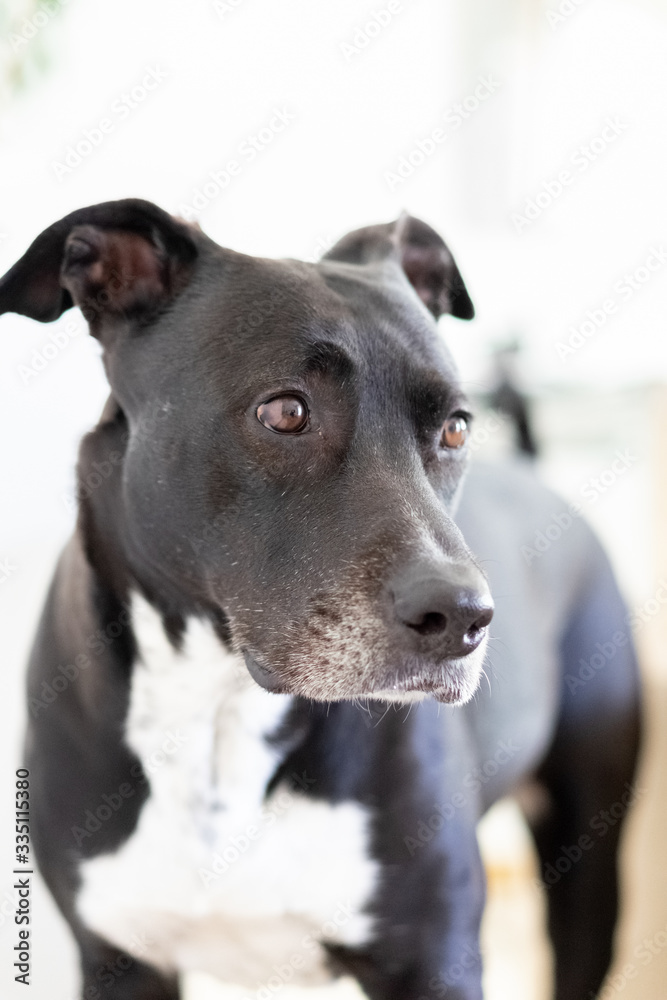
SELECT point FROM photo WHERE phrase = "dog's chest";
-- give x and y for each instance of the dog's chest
(216, 877)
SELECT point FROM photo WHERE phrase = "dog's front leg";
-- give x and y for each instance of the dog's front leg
(428, 946)
(431, 889)
(458, 977)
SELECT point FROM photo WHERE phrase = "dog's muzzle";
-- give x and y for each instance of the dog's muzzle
(424, 636)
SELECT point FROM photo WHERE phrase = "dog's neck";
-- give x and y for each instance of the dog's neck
(201, 694)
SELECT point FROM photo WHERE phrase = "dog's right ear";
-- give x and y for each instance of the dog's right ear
(119, 258)
(424, 256)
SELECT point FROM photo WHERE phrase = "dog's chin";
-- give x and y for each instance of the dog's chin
(451, 683)
(455, 685)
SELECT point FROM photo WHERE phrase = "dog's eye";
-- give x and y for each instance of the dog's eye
(285, 414)
(455, 431)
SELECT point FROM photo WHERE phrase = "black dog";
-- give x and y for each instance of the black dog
(265, 560)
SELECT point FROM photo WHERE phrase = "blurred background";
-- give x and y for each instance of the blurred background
(531, 134)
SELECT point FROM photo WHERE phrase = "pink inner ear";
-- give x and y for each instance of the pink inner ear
(122, 272)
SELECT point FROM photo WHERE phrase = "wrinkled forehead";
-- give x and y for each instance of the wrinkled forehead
(275, 313)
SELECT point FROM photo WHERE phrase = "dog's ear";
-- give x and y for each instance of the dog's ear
(118, 258)
(423, 255)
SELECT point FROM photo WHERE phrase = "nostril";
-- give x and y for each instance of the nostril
(475, 632)
(443, 615)
(431, 623)
(481, 621)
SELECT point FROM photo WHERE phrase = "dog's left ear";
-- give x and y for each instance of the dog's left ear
(119, 258)
(423, 255)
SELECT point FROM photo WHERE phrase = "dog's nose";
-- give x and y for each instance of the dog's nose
(449, 607)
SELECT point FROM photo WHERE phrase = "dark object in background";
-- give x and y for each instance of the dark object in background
(510, 400)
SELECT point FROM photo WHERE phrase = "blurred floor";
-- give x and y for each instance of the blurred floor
(518, 958)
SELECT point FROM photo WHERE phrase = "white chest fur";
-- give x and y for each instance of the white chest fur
(215, 878)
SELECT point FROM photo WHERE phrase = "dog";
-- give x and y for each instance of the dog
(253, 745)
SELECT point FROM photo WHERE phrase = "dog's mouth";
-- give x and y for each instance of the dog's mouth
(450, 682)
(356, 640)
(268, 679)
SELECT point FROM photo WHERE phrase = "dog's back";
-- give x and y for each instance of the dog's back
(561, 639)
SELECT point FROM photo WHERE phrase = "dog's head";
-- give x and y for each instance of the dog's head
(290, 441)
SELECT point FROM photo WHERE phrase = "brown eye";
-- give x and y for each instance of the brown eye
(454, 432)
(285, 414)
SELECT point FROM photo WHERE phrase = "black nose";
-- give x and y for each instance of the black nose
(448, 607)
